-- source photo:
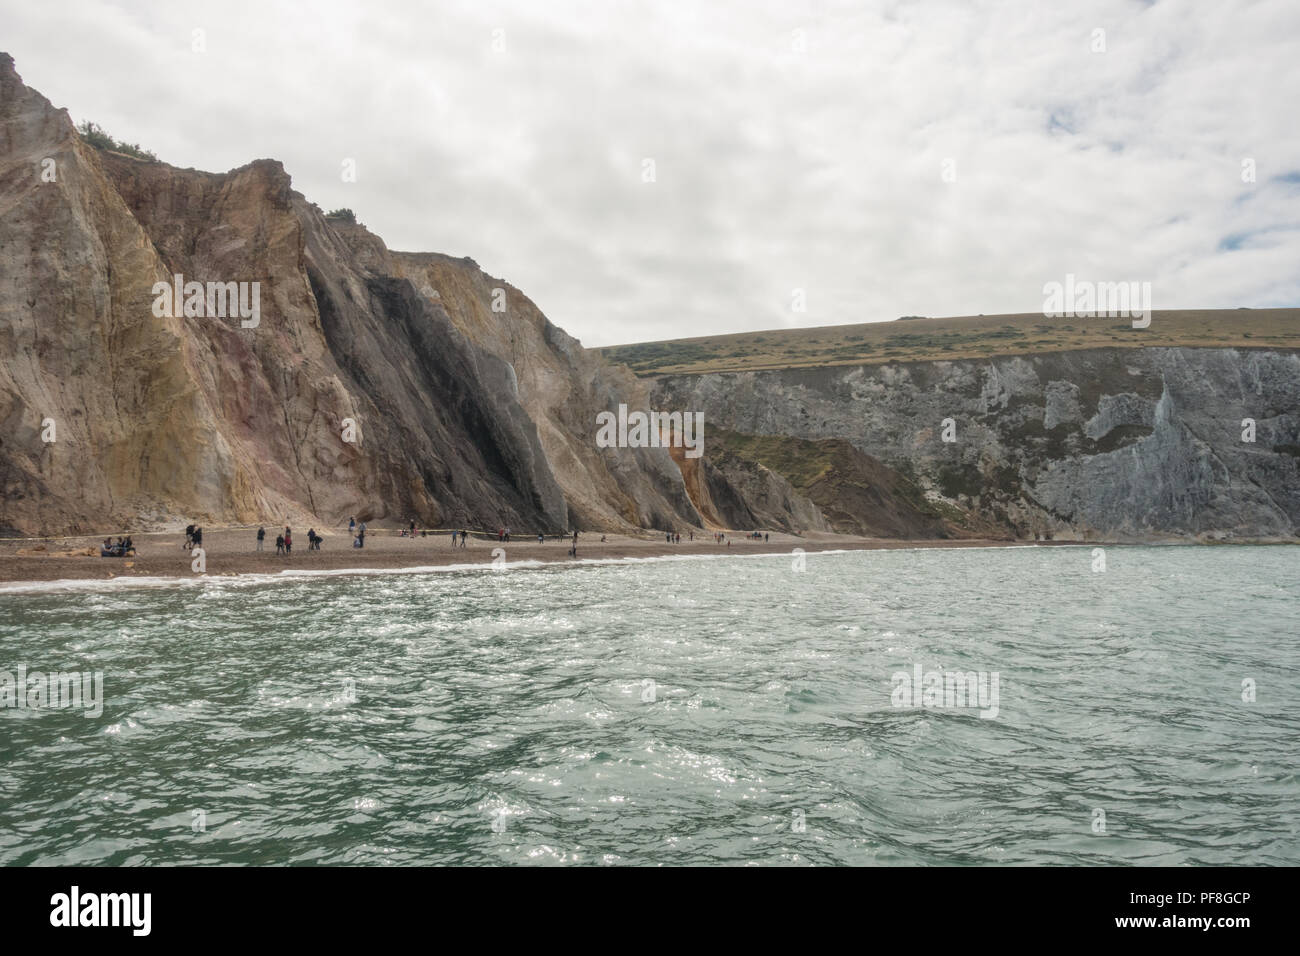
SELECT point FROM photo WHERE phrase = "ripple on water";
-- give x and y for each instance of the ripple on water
(668, 711)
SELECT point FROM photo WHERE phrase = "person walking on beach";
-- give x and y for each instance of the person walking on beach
(279, 544)
(463, 536)
(412, 527)
(361, 535)
(288, 540)
(352, 526)
(261, 536)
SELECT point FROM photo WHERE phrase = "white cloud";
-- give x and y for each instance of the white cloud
(776, 168)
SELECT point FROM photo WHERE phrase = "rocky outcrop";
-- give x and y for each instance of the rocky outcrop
(1116, 444)
(375, 384)
(394, 385)
(829, 485)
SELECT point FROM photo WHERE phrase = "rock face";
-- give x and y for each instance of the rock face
(393, 385)
(1115, 444)
(376, 384)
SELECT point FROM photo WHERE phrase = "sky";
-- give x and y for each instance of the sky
(648, 171)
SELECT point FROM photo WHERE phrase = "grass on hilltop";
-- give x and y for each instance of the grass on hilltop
(970, 337)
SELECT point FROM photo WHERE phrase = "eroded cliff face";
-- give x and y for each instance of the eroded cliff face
(374, 384)
(393, 385)
(1115, 444)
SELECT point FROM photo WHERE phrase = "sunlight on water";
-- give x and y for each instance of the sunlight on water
(727, 710)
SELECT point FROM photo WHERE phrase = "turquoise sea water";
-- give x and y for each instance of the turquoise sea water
(508, 717)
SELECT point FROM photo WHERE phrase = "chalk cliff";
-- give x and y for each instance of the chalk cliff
(1113, 444)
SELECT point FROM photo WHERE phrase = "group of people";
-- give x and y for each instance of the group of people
(120, 549)
(284, 542)
(459, 538)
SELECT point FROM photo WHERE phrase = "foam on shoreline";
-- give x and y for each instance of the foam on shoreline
(84, 585)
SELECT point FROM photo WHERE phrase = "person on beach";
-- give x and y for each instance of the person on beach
(540, 538)
(361, 535)
(288, 540)
(279, 544)
(197, 539)
(261, 537)
(412, 527)
(311, 539)
(464, 535)
(352, 526)
(189, 537)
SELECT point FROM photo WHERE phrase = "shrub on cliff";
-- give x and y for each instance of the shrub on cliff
(346, 215)
(99, 138)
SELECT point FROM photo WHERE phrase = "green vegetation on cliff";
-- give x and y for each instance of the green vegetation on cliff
(982, 336)
(856, 493)
(99, 138)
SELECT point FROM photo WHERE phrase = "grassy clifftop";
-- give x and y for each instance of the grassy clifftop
(924, 339)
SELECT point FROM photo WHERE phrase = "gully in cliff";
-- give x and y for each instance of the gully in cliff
(647, 430)
(215, 301)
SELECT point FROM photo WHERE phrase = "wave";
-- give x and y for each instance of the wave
(81, 585)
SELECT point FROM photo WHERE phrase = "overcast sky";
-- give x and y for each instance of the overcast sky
(887, 158)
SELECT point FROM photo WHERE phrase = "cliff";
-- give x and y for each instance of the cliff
(1109, 444)
(376, 384)
(393, 385)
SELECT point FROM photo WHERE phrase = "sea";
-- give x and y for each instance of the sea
(985, 706)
